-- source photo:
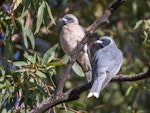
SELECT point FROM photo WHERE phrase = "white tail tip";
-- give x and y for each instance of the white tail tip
(95, 94)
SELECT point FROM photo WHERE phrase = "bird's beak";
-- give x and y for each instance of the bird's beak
(98, 42)
(62, 20)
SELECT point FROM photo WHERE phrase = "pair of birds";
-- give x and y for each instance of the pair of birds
(107, 59)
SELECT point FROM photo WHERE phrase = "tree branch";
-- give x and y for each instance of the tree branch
(140, 76)
(75, 93)
(59, 96)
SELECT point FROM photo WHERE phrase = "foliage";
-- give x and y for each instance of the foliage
(31, 60)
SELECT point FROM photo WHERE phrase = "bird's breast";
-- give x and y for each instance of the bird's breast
(70, 36)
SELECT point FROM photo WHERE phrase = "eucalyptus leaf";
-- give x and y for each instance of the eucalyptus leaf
(59, 63)
(49, 54)
(30, 58)
(40, 16)
(129, 90)
(26, 94)
(2, 85)
(77, 69)
(24, 33)
(20, 63)
(7, 41)
(17, 3)
(22, 70)
(4, 111)
(39, 89)
(50, 13)
(30, 35)
(138, 24)
(78, 104)
(40, 74)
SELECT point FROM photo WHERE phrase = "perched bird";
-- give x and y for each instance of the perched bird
(71, 34)
(106, 63)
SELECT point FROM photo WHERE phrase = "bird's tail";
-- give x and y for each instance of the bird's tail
(88, 75)
(84, 62)
(97, 86)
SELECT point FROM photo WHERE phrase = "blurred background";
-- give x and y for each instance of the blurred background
(31, 58)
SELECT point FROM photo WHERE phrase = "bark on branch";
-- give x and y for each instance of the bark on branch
(75, 93)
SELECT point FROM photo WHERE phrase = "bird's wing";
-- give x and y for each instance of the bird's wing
(76, 31)
(99, 75)
(115, 62)
(101, 63)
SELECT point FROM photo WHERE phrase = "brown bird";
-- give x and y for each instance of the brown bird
(71, 34)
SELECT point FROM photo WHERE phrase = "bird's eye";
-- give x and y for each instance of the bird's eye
(102, 40)
(70, 20)
(105, 42)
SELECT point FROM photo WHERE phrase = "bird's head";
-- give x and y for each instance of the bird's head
(69, 18)
(103, 41)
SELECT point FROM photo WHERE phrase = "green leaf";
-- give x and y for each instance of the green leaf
(20, 63)
(24, 33)
(40, 16)
(22, 70)
(26, 94)
(50, 13)
(129, 90)
(38, 58)
(5, 98)
(11, 89)
(27, 32)
(2, 71)
(138, 24)
(16, 76)
(23, 14)
(39, 89)
(17, 3)
(55, 63)
(65, 58)
(4, 110)
(34, 58)
(27, 4)
(78, 104)
(40, 74)
(30, 58)
(2, 85)
(77, 69)
(30, 35)
(7, 45)
(1, 78)
(49, 54)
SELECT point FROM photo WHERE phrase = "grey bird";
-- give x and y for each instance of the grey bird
(106, 63)
(71, 34)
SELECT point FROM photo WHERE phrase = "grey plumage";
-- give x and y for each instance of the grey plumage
(71, 34)
(106, 63)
